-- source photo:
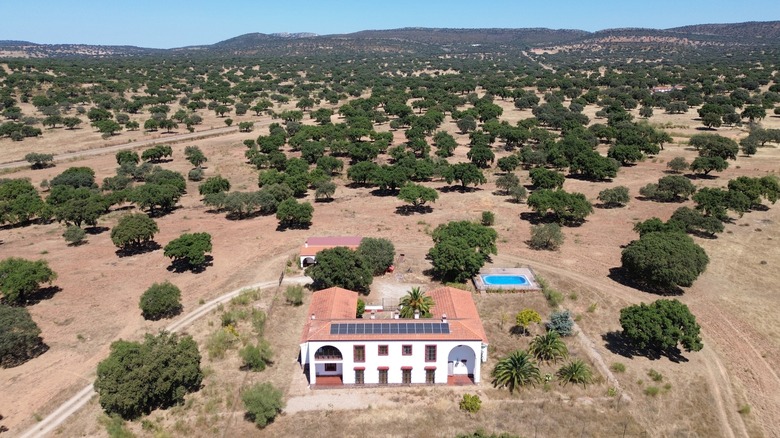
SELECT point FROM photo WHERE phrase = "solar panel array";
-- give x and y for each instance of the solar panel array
(395, 328)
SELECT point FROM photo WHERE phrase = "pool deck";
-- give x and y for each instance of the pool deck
(524, 271)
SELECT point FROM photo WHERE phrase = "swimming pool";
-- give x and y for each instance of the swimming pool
(505, 280)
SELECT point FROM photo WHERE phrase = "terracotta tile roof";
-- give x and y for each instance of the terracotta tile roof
(331, 241)
(336, 305)
(307, 251)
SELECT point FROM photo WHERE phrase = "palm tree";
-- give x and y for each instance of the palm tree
(515, 371)
(416, 300)
(549, 347)
(575, 372)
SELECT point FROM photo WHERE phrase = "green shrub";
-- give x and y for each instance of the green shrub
(219, 343)
(546, 236)
(744, 409)
(257, 357)
(160, 300)
(561, 322)
(361, 308)
(262, 402)
(115, 426)
(258, 321)
(488, 218)
(74, 235)
(20, 338)
(294, 295)
(470, 403)
(652, 391)
(655, 375)
(196, 174)
(553, 297)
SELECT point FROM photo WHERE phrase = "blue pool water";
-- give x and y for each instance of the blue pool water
(505, 280)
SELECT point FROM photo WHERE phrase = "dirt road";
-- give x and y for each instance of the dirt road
(59, 415)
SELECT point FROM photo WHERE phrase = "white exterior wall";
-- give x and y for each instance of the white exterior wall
(394, 361)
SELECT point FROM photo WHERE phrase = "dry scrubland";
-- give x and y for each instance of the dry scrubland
(98, 303)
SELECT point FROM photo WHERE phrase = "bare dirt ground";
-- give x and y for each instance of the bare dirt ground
(733, 302)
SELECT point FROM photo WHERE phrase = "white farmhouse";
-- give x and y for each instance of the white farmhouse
(339, 349)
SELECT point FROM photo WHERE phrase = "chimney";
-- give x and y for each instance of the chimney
(313, 317)
(373, 314)
(396, 314)
(416, 314)
(444, 318)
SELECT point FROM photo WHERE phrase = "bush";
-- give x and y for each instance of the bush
(160, 300)
(20, 338)
(470, 403)
(220, 342)
(214, 184)
(618, 367)
(262, 402)
(196, 174)
(189, 249)
(130, 381)
(561, 322)
(614, 197)
(664, 260)
(525, 317)
(74, 235)
(677, 165)
(341, 267)
(488, 218)
(133, 230)
(361, 308)
(257, 357)
(294, 295)
(546, 236)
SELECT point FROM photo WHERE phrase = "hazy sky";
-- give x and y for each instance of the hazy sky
(177, 23)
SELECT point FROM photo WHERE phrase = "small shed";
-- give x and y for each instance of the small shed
(313, 245)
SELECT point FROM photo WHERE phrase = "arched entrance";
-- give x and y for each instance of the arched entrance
(461, 361)
(328, 366)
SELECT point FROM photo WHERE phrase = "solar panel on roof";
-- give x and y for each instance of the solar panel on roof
(401, 328)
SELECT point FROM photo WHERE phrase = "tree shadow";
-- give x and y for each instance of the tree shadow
(581, 177)
(162, 212)
(384, 192)
(619, 275)
(22, 355)
(183, 265)
(459, 189)
(608, 206)
(169, 314)
(38, 166)
(94, 231)
(233, 216)
(292, 226)
(615, 342)
(519, 330)
(535, 218)
(323, 200)
(408, 210)
(41, 294)
(142, 248)
(700, 176)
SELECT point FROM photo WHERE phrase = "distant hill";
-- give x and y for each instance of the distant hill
(429, 41)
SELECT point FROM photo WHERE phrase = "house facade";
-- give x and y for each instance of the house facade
(313, 245)
(341, 349)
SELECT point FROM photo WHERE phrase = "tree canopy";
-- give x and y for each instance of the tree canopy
(661, 326)
(341, 267)
(461, 249)
(136, 377)
(20, 338)
(189, 249)
(664, 260)
(378, 253)
(19, 278)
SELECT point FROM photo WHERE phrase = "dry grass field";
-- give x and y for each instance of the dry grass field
(700, 397)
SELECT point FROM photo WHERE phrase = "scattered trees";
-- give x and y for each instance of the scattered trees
(39, 161)
(214, 184)
(294, 214)
(671, 188)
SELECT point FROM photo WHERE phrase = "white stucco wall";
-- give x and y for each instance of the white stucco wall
(394, 361)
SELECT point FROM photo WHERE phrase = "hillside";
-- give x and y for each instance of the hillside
(427, 41)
